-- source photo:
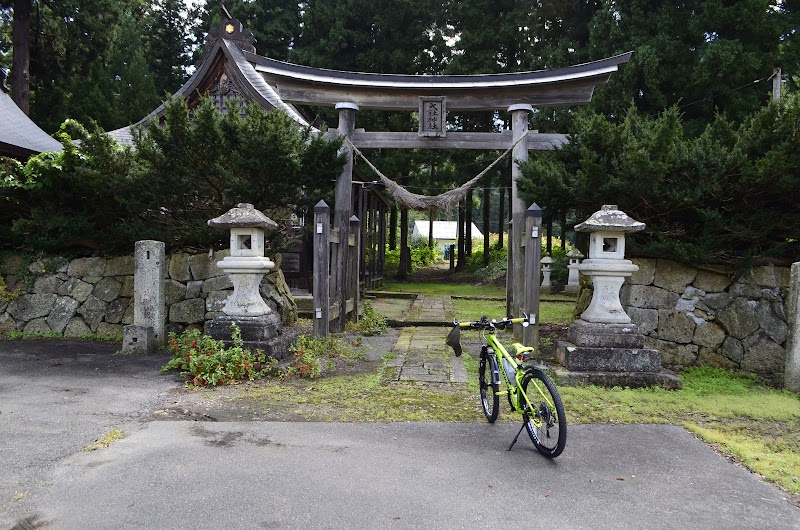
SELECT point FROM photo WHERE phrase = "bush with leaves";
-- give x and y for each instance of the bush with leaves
(208, 362)
(193, 168)
(727, 196)
(98, 197)
(370, 322)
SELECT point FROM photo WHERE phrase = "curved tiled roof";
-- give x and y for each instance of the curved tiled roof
(278, 84)
(274, 69)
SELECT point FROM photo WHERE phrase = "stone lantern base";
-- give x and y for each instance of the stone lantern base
(263, 332)
(610, 355)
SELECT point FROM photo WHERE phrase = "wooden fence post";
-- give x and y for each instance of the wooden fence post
(510, 312)
(353, 266)
(533, 255)
(322, 225)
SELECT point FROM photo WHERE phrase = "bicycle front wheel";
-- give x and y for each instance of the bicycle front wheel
(489, 398)
(543, 413)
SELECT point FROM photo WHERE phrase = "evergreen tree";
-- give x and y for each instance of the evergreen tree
(726, 196)
(71, 45)
(168, 39)
(274, 23)
(134, 84)
(702, 55)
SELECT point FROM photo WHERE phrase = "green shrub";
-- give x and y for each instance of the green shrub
(308, 353)
(208, 362)
(421, 256)
(6, 294)
(370, 323)
(305, 357)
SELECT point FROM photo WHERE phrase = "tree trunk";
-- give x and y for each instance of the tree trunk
(468, 225)
(461, 233)
(405, 253)
(393, 228)
(486, 228)
(430, 229)
(501, 215)
(20, 72)
(550, 235)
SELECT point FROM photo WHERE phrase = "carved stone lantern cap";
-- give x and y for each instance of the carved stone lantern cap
(609, 219)
(547, 260)
(575, 253)
(244, 215)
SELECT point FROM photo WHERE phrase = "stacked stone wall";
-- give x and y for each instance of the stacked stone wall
(94, 296)
(701, 317)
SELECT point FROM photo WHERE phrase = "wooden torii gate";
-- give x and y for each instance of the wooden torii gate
(432, 97)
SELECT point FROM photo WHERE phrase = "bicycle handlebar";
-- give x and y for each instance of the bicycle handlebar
(486, 324)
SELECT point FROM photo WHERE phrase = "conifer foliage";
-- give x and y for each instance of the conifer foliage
(100, 198)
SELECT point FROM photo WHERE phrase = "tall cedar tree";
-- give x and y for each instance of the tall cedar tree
(274, 23)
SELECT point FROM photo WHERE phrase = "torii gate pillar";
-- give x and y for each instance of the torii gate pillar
(341, 214)
(515, 282)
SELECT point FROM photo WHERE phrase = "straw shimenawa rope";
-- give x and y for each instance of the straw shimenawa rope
(442, 201)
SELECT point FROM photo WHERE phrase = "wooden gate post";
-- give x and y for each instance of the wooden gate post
(322, 228)
(342, 212)
(353, 266)
(533, 255)
(516, 268)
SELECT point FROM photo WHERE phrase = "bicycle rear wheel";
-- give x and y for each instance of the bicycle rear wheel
(544, 417)
(489, 398)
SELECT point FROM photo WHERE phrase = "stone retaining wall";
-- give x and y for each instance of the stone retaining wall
(94, 296)
(699, 317)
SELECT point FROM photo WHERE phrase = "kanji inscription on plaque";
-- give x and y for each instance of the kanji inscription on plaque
(432, 116)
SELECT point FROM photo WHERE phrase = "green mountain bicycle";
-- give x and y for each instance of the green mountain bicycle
(529, 390)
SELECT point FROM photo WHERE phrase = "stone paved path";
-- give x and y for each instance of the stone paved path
(420, 351)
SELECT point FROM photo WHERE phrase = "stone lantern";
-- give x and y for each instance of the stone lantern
(547, 265)
(246, 266)
(603, 346)
(573, 281)
(607, 266)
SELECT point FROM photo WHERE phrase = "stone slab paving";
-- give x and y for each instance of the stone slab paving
(420, 352)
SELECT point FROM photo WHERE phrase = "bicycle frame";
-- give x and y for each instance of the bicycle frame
(514, 390)
(544, 419)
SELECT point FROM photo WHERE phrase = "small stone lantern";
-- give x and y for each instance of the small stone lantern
(603, 346)
(246, 264)
(573, 281)
(607, 266)
(547, 265)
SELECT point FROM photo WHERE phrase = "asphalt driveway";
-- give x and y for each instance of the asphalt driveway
(57, 397)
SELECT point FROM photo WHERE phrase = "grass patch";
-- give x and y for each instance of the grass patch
(23, 335)
(365, 398)
(549, 312)
(107, 439)
(452, 289)
(757, 425)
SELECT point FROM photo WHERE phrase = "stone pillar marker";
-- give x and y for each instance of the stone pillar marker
(603, 346)
(792, 374)
(573, 281)
(246, 267)
(146, 335)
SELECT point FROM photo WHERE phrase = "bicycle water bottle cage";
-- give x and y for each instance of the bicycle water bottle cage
(522, 351)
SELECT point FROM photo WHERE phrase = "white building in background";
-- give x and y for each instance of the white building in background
(444, 232)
